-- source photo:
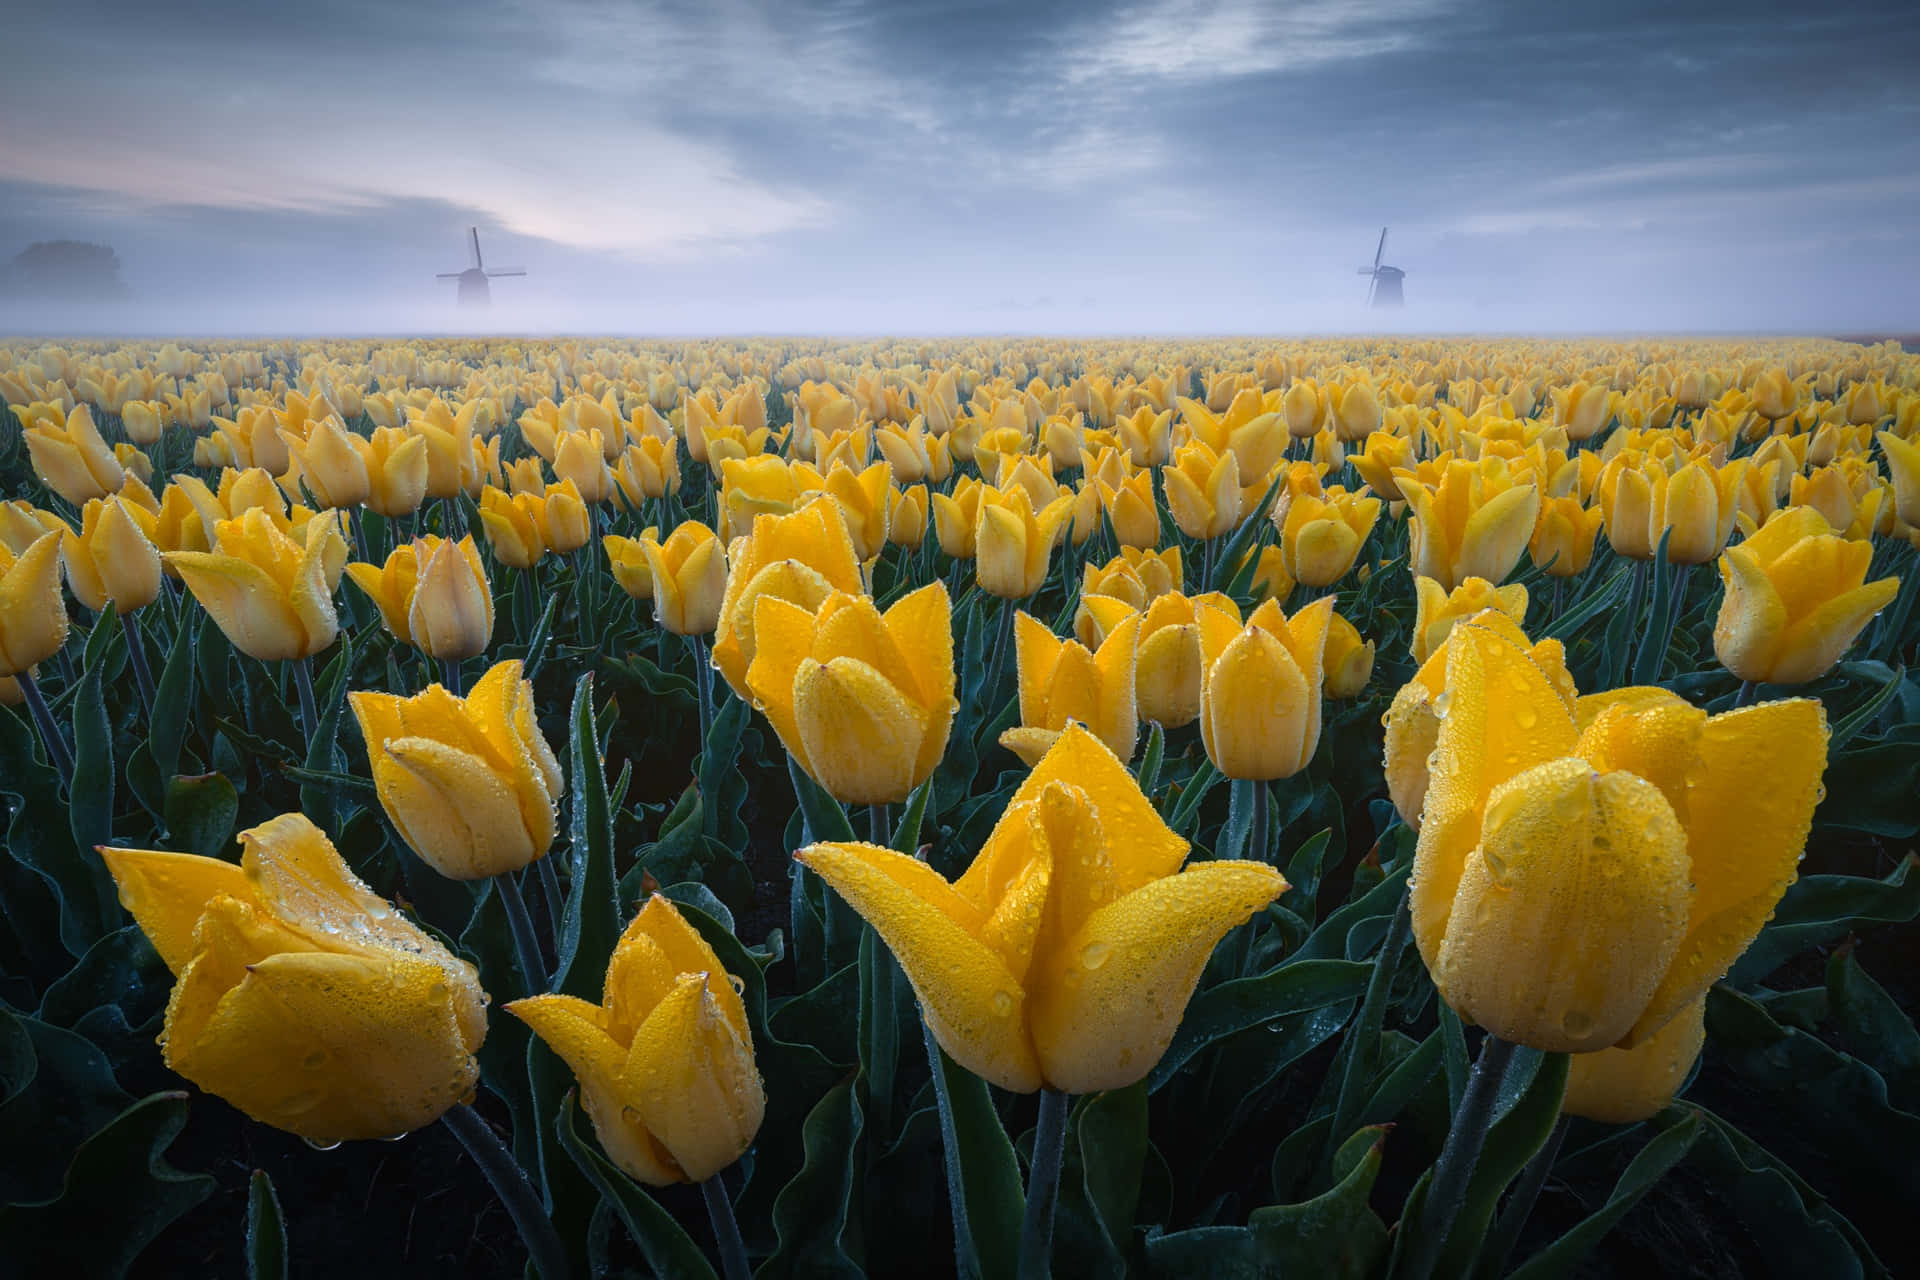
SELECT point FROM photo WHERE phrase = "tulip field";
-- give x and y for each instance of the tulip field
(985, 807)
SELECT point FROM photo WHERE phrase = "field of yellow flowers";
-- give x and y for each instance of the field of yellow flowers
(984, 807)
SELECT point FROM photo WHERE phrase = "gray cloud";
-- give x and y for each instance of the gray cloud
(1192, 165)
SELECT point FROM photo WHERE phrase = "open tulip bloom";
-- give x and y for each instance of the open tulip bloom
(1065, 955)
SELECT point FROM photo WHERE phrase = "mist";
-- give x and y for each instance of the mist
(1176, 167)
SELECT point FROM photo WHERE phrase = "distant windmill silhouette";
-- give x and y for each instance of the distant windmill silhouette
(473, 281)
(1384, 289)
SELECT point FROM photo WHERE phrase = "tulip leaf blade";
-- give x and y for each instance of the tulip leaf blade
(668, 1249)
(983, 1174)
(172, 699)
(39, 837)
(1864, 714)
(1652, 1162)
(200, 811)
(317, 801)
(1100, 1185)
(1817, 909)
(1570, 622)
(1242, 795)
(266, 1230)
(1232, 1007)
(590, 922)
(810, 1215)
(1518, 1132)
(117, 1195)
(90, 804)
(1875, 1028)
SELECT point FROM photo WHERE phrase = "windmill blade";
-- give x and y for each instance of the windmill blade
(507, 271)
(1371, 286)
(473, 237)
(448, 275)
(1377, 253)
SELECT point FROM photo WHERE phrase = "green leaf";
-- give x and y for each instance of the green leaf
(590, 924)
(1874, 1027)
(1818, 909)
(39, 836)
(1573, 619)
(813, 1212)
(719, 757)
(1863, 715)
(1334, 1234)
(173, 700)
(1242, 795)
(1564, 1256)
(56, 1088)
(200, 811)
(119, 1193)
(1148, 774)
(266, 1230)
(826, 819)
(1100, 1183)
(1359, 1058)
(1232, 1007)
(983, 1174)
(91, 808)
(906, 836)
(1516, 1135)
(316, 801)
(666, 1246)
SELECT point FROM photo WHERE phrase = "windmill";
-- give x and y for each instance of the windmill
(473, 281)
(1384, 288)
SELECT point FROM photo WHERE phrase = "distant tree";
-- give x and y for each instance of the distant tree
(64, 269)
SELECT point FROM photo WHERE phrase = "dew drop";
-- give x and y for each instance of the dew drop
(1002, 1004)
(321, 1146)
(1442, 704)
(738, 983)
(1095, 954)
(1576, 1023)
(1525, 716)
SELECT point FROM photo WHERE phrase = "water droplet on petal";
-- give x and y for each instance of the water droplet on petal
(1095, 954)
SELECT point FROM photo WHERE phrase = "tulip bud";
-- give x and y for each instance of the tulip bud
(470, 783)
(451, 614)
(1437, 610)
(396, 472)
(1061, 680)
(665, 1061)
(863, 701)
(580, 458)
(300, 997)
(629, 562)
(1321, 537)
(907, 522)
(270, 595)
(1260, 688)
(1203, 491)
(1132, 508)
(1013, 544)
(111, 559)
(33, 615)
(1349, 661)
(1562, 542)
(72, 458)
(689, 574)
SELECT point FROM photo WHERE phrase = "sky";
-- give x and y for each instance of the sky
(859, 167)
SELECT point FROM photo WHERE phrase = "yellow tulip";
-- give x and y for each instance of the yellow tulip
(1562, 542)
(1146, 435)
(111, 558)
(1349, 660)
(907, 517)
(1384, 454)
(1584, 875)
(1166, 678)
(22, 524)
(1354, 410)
(72, 459)
(1131, 507)
(803, 557)
(1774, 395)
(1012, 543)
(1254, 434)
(451, 468)
(565, 523)
(523, 475)
(580, 456)
(863, 501)
(1271, 580)
(1260, 688)
(766, 485)
(1626, 497)
(1062, 681)
(301, 997)
(955, 517)
(450, 616)
(143, 422)
(270, 595)
(1065, 956)
(332, 463)
(469, 782)
(1305, 407)
(1474, 524)
(1582, 409)
(1321, 537)
(905, 449)
(862, 700)
(1903, 464)
(1797, 595)
(33, 614)
(1413, 720)
(1436, 611)
(629, 562)
(1694, 509)
(514, 528)
(665, 1060)
(396, 472)
(648, 469)
(1626, 1086)
(1134, 576)
(689, 573)
(1203, 490)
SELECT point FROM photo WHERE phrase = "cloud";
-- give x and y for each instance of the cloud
(1212, 39)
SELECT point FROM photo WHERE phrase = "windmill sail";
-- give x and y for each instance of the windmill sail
(473, 291)
(1383, 282)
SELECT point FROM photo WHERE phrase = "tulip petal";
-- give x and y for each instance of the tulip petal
(1813, 644)
(1502, 715)
(1254, 711)
(970, 998)
(1107, 1012)
(693, 1081)
(1626, 1086)
(783, 639)
(245, 601)
(452, 809)
(168, 892)
(1745, 840)
(575, 1030)
(862, 738)
(684, 951)
(1579, 882)
(333, 1047)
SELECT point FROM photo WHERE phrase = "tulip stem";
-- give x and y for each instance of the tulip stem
(1749, 690)
(703, 681)
(997, 665)
(309, 709)
(137, 659)
(450, 676)
(550, 887)
(57, 753)
(1513, 1219)
(1043, 1186)
(879, 826)
(525, 940)
(726, 1231)
(1453, 1172)
(510, 1183)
